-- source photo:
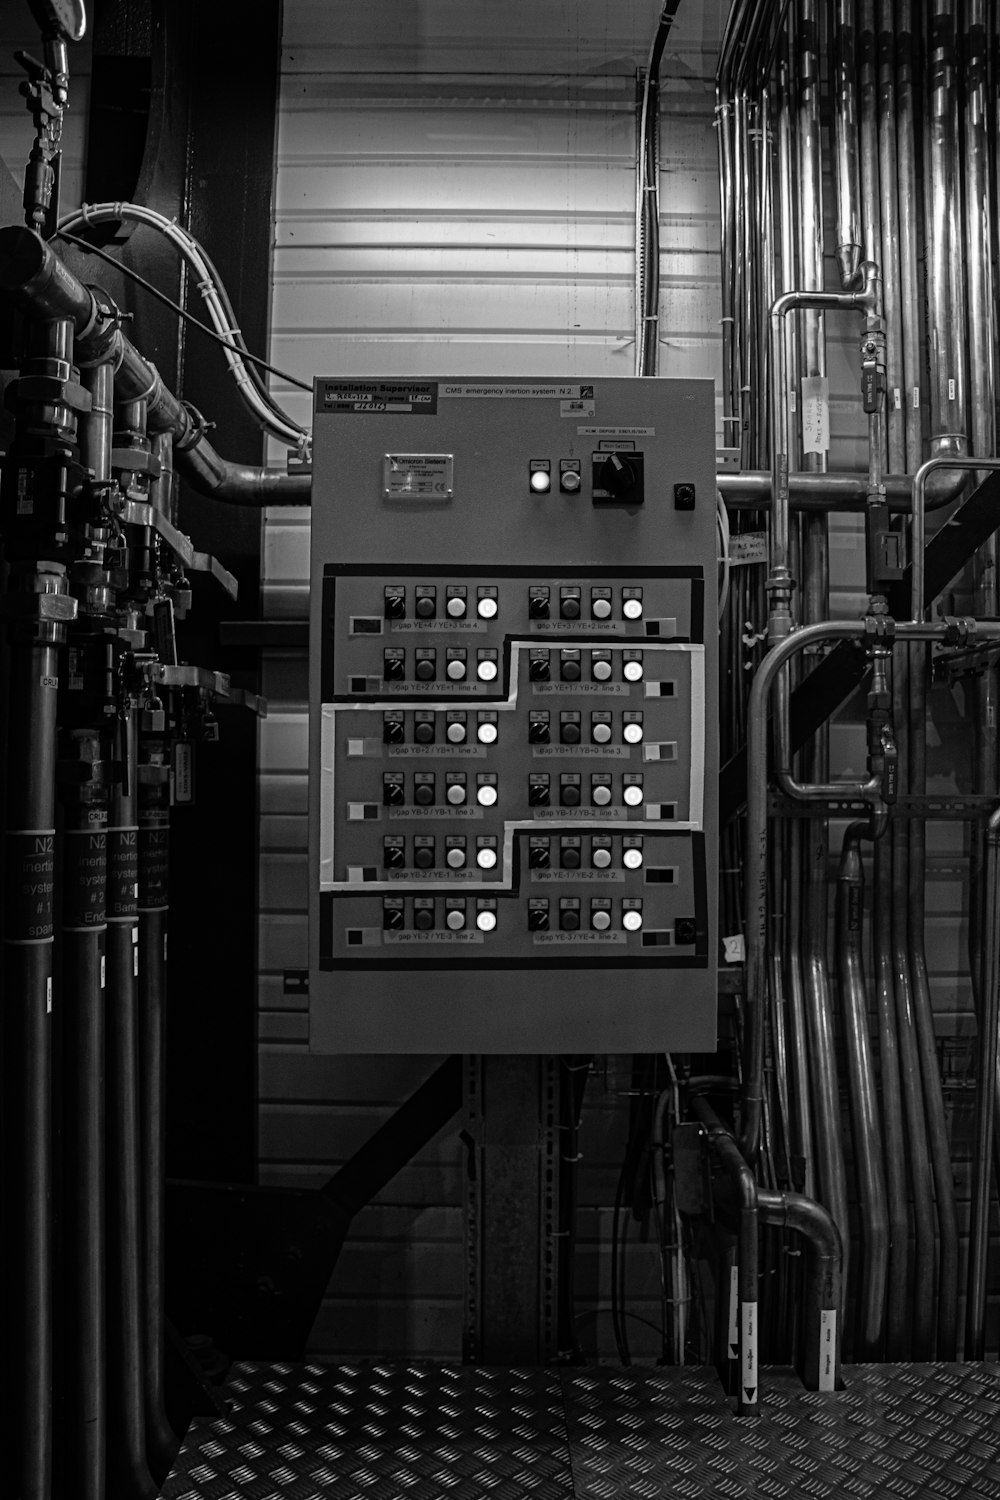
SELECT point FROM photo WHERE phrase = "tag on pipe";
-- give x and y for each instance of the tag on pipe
(815, 414)
(828, 1349)
(748, 1373)
(734, 1334)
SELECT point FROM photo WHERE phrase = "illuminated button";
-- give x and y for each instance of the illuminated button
(456, 669)
(486, 795)
(456, 606)
(632, 859)
(486, 920)
(423, 918)
(456, 793)
(600, 920)
(541, 478)
(601, 608)
(455, 733)
(632, 796)
(486, 670)
(455, 858)
(632, 671)
(486, 858)
(601, 795)
(632, 609)
(601, 668)
(455, 920)
(632, 733)
(600, 732)
(631, 920)
(487, 607)
(486, 732)
(601, 858)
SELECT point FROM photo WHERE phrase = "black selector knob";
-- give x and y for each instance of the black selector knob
(538, 731)
(393, 731)
(393, 794)
(538, 669)
(392, 918)
(538, 919)
(393, 857)
(538, 606)
(538, 794)
(618, 476)
(538, 857)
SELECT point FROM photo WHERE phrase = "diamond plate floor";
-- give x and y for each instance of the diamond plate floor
(427, 1432)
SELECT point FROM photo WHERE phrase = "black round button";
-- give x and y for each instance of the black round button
(423, 858)
(424, 670)
(569, 921)
(423, 733)
(569, 859)
(569, 796)
(571, 671)
(424, 609)
(423, 918)
(423, 795)
(570, 609)
(570, 734)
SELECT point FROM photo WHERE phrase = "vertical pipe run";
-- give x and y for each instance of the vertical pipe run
(986, 1099)
(890, 1089)
(890, 248)
(845, 142)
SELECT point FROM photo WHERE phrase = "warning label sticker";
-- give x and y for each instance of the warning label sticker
(389, 397)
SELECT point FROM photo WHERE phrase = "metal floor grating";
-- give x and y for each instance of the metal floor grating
(432, 1432)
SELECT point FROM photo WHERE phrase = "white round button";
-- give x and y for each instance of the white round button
(601, 859)
(456, 670)
(455, 793)
(602, 670)
(632, 609)
(486, 920)
(601, 796)
(486, 858)
(487, 732)
(632, 734)
(632, 796)
(455, 920)
(455, 859)
(601, 734)
(569, 481)
(486, 795)
(632, 859)
(600, 921)
(632, 920)
(632, 671)
(487, 670)
(456, 607)
(456, 733)
(602, 609)
(487, 608)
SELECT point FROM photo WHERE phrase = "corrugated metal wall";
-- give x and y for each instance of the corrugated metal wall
(455, 195)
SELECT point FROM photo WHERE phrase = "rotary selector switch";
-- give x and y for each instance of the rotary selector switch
(618, 477)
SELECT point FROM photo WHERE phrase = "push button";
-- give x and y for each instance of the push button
(425, 669)
(423, 728)
(569, 729)
(569, 915)
(632, 855)
(456, 731)
(632, 728)
(486, 789)
(486, 854)
(486, 605)
(600, 604)
(423, 789)
(487, 729)
(423, 914)
(569, 666)
(600, 666)
(570, 856)
(455, 664)
(569, 790)
(632, 604)
(456, 606)
(455, 789)
(454, 856)
(486, 916)
(600, 854)
(455, 916)
(423, 853)
(569, 603)
(600, 915)
(600, 728)
(425, 605)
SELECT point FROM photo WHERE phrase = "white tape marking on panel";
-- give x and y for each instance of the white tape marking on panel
(734, 1297)
(828, 1349)
(748, 1371)
(696, 791)
(815, 414)
(326, 811)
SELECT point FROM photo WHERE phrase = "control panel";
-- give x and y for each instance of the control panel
(513, 691)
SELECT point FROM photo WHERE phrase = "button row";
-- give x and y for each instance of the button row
(570, 913)
(571, 851)
(601, 666)
(454, 786)
(453, 914)
(602, 791)
(541, 726)
(457, 602)
(455, 853)
(457, 727)
(430, 665)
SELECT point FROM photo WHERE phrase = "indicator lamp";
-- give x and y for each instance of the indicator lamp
(540, 478)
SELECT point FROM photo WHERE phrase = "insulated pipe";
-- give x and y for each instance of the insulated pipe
(756, 861)
(721, 1141)
(845, 134)
(944, 251)
(126, 1416)
(986, 1101)
(866, 1126)
(890, 1090)
(41, 285)
(822, 1336)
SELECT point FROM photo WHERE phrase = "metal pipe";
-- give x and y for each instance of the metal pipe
(845, 131)
(865, 1122)
(721, 1141)
(126, 1415)
(889, 252)
(751, 490)
(986, 1099)
(756, 859)
(890, 1090)
(944, 252)
(918, 603)
(819, 1360)
(41, 285)
(910, 288)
